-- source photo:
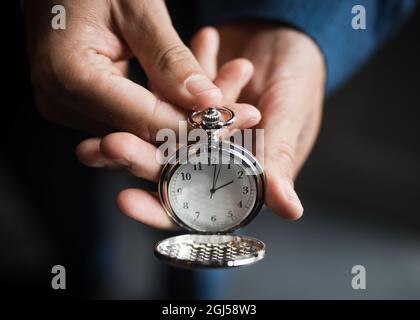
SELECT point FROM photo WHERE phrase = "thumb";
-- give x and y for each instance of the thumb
(167, 61)
(281, 133)
(280, 194)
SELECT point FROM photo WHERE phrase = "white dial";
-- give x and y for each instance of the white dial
(212, 197)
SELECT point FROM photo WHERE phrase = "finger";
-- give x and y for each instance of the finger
(280, 194)
(88, 152)
(125, 150)
(131, 152)
(205, 47)
(117, 101)
(169, 64)
(144, 207)
(100, 92)
(232, 77)
(282, 123)
(307, 138)
(247, 116)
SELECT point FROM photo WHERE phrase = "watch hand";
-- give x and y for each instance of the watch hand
(213, 189)
(214, 177)
(222, 186)
(214, 182)
(217, 176)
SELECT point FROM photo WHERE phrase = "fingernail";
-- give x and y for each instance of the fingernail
(198, 84)
(293, 198)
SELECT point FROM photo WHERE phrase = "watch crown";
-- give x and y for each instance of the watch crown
(211, 118)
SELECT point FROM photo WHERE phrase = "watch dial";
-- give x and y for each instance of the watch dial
(212, 197)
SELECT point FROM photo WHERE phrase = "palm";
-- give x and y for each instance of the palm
(287, 88)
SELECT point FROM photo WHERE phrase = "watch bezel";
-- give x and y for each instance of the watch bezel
(177, 160)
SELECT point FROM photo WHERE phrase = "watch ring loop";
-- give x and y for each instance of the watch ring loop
(218, 123)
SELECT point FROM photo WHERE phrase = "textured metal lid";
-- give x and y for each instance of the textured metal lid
(210, 251)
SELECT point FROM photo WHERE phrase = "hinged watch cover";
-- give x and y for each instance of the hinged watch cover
(210, 250)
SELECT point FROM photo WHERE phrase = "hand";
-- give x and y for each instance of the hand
(80, 74)
(288, 89)
(125, 150)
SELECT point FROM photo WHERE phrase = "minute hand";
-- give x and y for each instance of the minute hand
(224, 185)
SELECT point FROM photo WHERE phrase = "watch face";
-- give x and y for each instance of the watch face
(212, 197)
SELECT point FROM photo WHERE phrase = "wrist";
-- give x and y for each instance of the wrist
(299, 55)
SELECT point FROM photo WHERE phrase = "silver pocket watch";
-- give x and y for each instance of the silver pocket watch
(211, 189)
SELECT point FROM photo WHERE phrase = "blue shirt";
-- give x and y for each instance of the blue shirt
(327, 22)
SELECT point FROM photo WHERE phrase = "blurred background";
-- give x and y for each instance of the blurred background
(360, 189)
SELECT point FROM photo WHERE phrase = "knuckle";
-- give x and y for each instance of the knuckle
(168, 58)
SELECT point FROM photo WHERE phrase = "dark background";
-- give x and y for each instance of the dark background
(360, 189)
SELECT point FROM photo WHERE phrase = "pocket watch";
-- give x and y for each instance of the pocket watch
(211, 189)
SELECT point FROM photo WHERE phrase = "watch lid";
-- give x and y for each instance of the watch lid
(210, 251)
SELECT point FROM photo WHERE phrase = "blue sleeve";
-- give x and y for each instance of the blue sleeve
(327, 22)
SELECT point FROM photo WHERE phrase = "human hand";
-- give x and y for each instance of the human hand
(80, 74)
(288, 89)
(124, 150)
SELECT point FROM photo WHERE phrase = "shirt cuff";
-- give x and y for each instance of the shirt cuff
(327, 22)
